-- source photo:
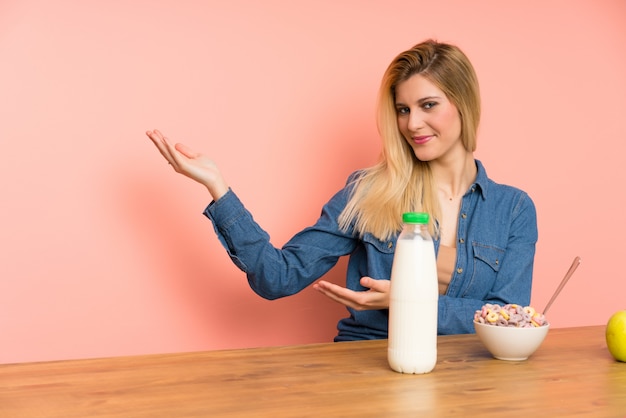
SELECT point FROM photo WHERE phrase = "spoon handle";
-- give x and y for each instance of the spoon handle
(569, 273)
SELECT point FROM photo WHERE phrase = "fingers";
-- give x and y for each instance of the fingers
(337, 293)
(162, 145)
(377, 297)
(167, 150)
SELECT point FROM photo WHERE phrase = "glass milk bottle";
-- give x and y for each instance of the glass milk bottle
(413, 299)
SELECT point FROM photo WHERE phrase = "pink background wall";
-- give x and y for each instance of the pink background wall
(104, 250)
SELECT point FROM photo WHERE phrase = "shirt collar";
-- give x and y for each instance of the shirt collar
(482, 181)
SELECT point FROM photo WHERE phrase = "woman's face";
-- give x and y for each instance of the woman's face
(428, 120)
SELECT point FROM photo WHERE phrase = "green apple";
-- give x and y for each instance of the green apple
(616, 335)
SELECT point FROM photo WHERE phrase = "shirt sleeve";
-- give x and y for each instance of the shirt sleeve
(277, 272)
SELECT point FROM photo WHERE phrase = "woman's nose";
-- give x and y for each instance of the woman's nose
(416, 121)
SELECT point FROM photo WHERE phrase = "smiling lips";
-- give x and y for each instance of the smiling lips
(421, 139)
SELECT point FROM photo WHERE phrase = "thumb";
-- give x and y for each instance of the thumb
(373, 284)
(185, 150)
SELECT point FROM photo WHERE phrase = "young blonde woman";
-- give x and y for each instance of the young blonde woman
(485, 233)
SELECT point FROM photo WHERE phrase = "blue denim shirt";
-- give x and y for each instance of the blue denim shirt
(496, 237)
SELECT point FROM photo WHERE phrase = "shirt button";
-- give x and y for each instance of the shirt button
(462, 241)
(389, 245)
(464, 215)
(459, 270)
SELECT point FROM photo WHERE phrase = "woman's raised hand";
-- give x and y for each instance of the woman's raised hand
(191, 164)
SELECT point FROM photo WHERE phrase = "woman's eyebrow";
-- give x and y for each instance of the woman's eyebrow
(421, 100)
(424, 99)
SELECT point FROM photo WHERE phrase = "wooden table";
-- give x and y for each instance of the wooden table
(572, 374)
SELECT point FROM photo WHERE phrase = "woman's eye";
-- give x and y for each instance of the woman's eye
(403, 110)
(429, 105)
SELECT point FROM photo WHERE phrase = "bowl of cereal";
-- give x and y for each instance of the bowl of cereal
(510, 332)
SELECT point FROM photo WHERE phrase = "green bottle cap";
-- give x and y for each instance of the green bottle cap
(415, 218)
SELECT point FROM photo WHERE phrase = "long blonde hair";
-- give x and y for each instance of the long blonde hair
(399, 182)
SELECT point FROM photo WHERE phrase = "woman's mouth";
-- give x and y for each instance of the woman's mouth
(421, 139)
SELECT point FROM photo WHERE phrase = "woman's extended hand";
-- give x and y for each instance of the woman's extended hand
(377, 297)
(191, 164)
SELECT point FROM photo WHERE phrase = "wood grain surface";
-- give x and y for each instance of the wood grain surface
(572, 374)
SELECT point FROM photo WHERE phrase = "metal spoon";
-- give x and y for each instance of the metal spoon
(569, 273)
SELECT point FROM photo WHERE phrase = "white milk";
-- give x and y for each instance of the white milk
(413, 304)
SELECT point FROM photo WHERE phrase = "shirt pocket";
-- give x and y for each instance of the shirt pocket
(377, 258)
(384, 247)
(486, 265)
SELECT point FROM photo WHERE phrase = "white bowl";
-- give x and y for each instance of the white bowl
(510, 343)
